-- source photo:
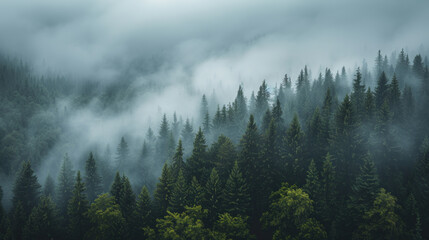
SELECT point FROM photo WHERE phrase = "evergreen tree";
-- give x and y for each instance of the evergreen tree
(204, 109)
(358, 94)
(178, 199)
(293, 154)
(381, 91)
(49, 187)
(127, 201)
(418, 67)
(163, 140)
(77, 208)
(122, 154)
(317, 138)
(394, 98)
(369, 106)
(187, 135)
(223, 154)
(236, 195)
(65, 184)
(240, 106)
(277, 115)
(143, 210)
(270, 169)
(163, 190)
(312, 186)
(92, 178)
(195, 193)
(26, 189)
(328, 192)
(212, 196)
(422, 186)
(178, 163)
(261, 104)
(43, 221)
(196, 164)
(266, 121)
(249, 161)
(116, 188)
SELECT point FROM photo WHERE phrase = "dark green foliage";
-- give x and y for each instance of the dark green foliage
(358, 94)
(49, 187)
(65, 184)
(143, 211)
(179, 194)
(178, 164)
(187, 135)
(163, 191)
(116, 188)
(26, 189)
(92, 178)
(293, 153)
(196, 164)
(381, 91)
(195, 193)
(77, 210)
(422, 185)
(43, 221)
(212, 196)
(163, 140)
(232, 227)
(223, 154)
(127, 201)
(236, 195)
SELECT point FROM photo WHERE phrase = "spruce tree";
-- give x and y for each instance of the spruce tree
(127, 201)
(187, 135)
(122, 154)
(358, 95)
(293, 154)
(195, 193)
(328, 192)
(77, 208)
(179, 194)
(26, 189)
(395, 98)
(65, 184)
(196, 164)
(163, 191)
(236, 195)
(223, 154)
(116, 188)
(163, 140)
(178, 163)
(49, 187)
(92, 178)
(421, 185)
(212, 197)
(381, 91)
(43, 221)
(143, 211)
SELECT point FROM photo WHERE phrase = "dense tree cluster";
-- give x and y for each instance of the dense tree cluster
(322, 160)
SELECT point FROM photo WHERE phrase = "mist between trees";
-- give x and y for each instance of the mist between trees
(338, 154)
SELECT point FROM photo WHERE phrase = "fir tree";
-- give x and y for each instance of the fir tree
(178, 163)
(223, 154)
(127, 200)
(328, 192)
(77, 208)
(212, 196)
(65, 184)
(178, 199)
(116, 188)
(293, 154)
(49, 187)
(236, 195)
(195, 193)
(358, 94)
(26, 189)
(196, 164)
(187, 135)
(163, 139)
(43, 221)
(381, 91)
(92, 178)
(163, 190)
(143, 211)
(122, 154)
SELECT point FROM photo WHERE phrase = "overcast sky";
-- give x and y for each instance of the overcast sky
(212, 44)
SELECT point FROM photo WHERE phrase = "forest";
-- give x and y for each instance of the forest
(340, 155)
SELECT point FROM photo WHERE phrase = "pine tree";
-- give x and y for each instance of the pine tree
(116, 188)
(381, 91)
(369, 106)
(240, 107)
(163, 190)
(236, 195)
(187, 135)
(178, 199)
(249, 161)
(49, 187)
(271, 168)
(196, 164)
(92, 178)
(65, 184)
(418, 67)
(195, 193)
(277, 115)
(358, 94)
(223, 154)
(422, 185)
(178, 163)
(122, 154)
(364, 192)
(212, 198)
(293, 154)
(127, 200)
(266, 121)
(317, 138)
(163, 140)
(328, 192)
(312, 183)
(26, 189)
(394, 98)
(43, 221)
(143, 210)
(204, 109)
(261, 103)
(77, 208)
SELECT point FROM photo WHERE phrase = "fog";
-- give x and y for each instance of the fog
(172, 52)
